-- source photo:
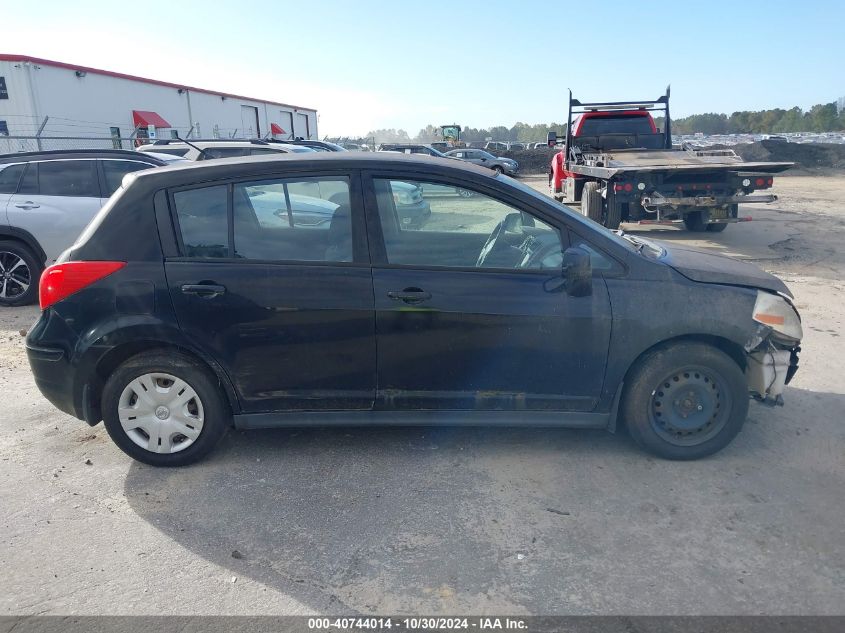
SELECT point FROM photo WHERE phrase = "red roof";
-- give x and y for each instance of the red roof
(6, 57)
(145, 118)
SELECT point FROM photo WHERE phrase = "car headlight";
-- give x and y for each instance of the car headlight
(776, 312)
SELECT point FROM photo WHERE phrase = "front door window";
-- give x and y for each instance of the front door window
(464, 229)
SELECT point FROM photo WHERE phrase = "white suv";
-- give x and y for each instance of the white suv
(205, 150)
(46, 199)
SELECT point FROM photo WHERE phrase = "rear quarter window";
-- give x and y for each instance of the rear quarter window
(203, 223)
(115, 170)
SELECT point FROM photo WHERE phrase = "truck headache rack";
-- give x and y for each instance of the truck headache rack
(576, 107)
(660, 104)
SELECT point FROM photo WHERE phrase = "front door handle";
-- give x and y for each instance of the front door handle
(29, 204)
(409, 295)
(203, 290)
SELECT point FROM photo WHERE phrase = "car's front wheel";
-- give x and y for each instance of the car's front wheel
(164, 408)
(685, 401)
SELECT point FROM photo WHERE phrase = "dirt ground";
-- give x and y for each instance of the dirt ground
(452, 520)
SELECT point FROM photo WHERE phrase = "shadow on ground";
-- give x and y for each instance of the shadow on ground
(518, 520)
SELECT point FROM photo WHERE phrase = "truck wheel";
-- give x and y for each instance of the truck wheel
(696, 221)
(591, 202)
(19, 274)
(685, 401)
(717, 228)
(614, 215)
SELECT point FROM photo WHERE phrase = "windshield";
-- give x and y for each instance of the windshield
(637, 244)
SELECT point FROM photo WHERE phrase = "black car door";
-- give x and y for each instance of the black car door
(462, 324)
(273, 281)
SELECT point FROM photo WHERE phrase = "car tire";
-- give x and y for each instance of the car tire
(696, 221)
(591, 201)
(148, 386)
(717, 228)
(19, 267)
(685, 401)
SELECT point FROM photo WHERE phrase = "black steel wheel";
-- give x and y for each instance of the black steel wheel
(685, 400)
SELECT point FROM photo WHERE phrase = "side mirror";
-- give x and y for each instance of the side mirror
(577, 272)
(483, 160)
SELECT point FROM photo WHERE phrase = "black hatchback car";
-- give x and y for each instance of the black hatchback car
(194, 301)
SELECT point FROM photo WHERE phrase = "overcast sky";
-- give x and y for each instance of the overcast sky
(402, 64)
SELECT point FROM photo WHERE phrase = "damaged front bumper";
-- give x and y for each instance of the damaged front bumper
(769, 368)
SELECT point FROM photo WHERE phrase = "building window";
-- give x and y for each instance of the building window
(4, 92)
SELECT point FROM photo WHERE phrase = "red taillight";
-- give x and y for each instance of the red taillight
(760, 182)
(62, 280)
(629, 186)
(770, 181)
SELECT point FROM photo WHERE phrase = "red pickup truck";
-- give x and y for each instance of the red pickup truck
(620, 167)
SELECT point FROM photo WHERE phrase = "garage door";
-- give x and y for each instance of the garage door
(302, 125)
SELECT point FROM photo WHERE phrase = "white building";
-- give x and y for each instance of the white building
(76, 101)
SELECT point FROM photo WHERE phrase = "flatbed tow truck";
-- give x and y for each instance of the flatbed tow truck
(620, 167)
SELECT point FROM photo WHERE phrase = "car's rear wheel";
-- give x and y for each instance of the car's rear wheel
(717, 227)
(19, 274)
(685, 401)
(591, 201)
(164, 408)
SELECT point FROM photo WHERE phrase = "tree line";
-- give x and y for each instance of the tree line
(823, 117)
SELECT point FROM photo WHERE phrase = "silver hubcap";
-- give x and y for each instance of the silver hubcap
(161, 413)
(15, 275)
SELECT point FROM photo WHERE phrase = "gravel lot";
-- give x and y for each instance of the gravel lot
(449, 521)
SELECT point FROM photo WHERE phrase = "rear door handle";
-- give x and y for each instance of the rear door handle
(409, 295)
(203, 290)
(28, 205)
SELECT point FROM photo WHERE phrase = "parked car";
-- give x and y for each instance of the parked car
(496, 146)
(486, 159)
(411, 148)
(318, 146)
(46, 199)
(209, 318)
(221, 148)
(516, 146)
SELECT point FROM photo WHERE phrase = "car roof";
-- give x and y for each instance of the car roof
(219, 168)
(58, 154)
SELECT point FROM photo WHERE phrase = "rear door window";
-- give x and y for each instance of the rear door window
(10, 177)
(76, 178)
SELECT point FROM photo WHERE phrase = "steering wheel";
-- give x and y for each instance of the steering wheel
(491, 245)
